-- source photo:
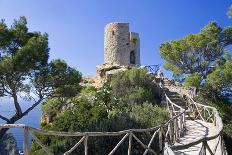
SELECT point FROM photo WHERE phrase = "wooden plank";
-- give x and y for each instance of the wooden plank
(47, 150)
(119, 143)
(208, 148)
(86, 145)
(161, 139)
(130, 144)
(143, 145)
(26, 141)
(75, 146)
(149, 144)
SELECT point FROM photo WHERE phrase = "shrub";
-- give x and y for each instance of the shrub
(134, 86)
(127, 101)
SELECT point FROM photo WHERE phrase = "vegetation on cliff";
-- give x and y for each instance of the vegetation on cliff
(8, 145)
(128, 100)
(203, 60)
(26, 73)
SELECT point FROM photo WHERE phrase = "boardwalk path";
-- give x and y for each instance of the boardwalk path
(195, 130)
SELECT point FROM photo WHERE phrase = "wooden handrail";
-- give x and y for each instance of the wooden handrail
(168, 136)
(206, 114)
(168, 133)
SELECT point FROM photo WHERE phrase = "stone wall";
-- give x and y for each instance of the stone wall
(119, 43)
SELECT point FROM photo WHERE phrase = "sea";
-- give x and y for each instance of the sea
(32, 119)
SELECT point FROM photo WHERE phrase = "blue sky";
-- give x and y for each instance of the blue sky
(76, 27)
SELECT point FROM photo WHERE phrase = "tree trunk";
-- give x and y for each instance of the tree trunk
(18, 116)
(16, 103)
(2, 132)
(15, 118)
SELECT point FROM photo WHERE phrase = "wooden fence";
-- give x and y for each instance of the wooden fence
(167, 133)
(207, 114)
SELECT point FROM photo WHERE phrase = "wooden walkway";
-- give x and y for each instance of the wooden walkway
(196, 130)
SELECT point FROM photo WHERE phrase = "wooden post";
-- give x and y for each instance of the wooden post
(203, 148)
(171, 132)
(223, 149)
(26, 141)
(208, 148)
(130, 144)
(86, 145)
(161, 139)
(119, 143)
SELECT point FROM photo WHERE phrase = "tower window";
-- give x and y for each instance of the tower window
(132, 57)
(113, 33)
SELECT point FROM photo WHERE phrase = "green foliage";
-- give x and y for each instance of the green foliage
(66, 79)
(24, 64)
(134, 87)
(22, 54)
(221, 78)
(193, 80)
(196, 53)
(25, 71)
(82, 117)
(101, 110)
(53, 106)
(85, 117)
(105, 98)
(201, 59)
(229, 13)
(144, 114)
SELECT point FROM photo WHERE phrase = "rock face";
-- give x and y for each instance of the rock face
(8, 145)
(45, 118)
(121, 47)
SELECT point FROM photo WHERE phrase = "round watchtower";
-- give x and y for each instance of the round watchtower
(121, 47)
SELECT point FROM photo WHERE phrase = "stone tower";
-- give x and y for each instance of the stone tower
(121, 47)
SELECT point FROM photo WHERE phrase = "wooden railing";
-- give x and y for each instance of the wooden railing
(208, 114)
(211, 115)
(168, 132)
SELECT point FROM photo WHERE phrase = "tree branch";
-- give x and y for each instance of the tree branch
(17, 106)
(32, 107)
(4, 118)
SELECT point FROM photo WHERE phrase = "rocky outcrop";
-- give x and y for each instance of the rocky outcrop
(8, 145)
(106, 70)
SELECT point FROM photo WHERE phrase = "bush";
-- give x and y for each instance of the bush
(193, 80)
(134, 86)
(148, 115)
(127, 101)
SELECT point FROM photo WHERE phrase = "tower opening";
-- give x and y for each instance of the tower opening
(132, 57)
